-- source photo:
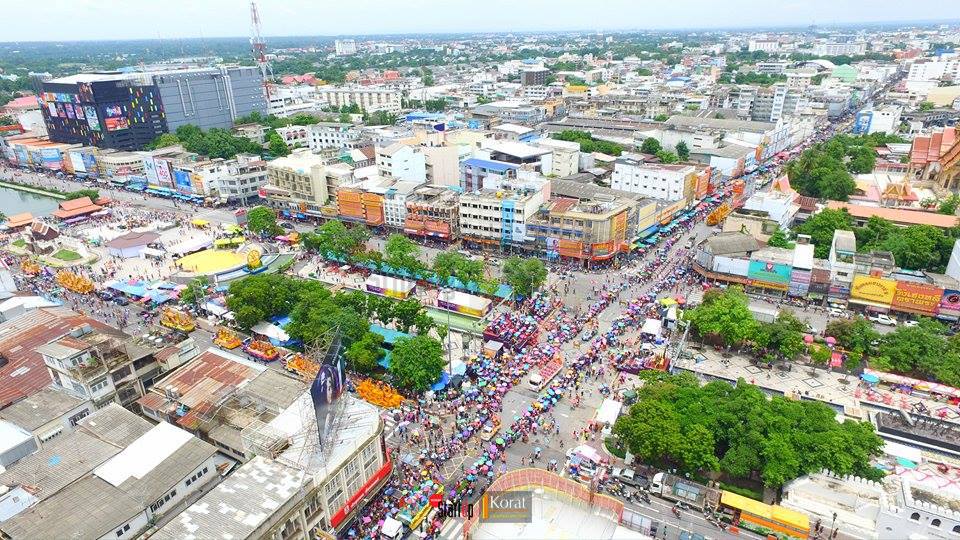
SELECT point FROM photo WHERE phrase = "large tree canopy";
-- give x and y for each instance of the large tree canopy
(738, 431)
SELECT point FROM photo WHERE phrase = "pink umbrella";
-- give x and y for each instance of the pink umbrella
(808, 338)
(831, 340)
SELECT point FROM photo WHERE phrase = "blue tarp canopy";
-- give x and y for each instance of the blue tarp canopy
(389, 336)
(442, 383)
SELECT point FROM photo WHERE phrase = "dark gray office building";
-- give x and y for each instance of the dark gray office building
(210, 97)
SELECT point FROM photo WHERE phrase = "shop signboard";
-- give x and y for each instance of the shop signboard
(911, 296)
(873, 289)
(769, 272)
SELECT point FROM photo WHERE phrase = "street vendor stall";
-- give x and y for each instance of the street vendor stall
(389, 286)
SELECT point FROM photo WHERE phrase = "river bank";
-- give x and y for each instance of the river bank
(34, 190)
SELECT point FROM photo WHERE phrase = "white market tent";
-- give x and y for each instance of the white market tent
(469, 301)
(389, 286)
(609, 411)
(651, 327)
(272, 331)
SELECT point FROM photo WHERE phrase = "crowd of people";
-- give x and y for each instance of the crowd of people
(479, 400)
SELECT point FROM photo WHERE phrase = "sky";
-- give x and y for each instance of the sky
(62, 20)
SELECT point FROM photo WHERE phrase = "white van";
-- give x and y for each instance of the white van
(536, 381)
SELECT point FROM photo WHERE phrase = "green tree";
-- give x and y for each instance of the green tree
(926, 106)
(417, 362)
(334, 239)
(195, 292)
(362, 356)
(259, 297)
(651, 430)
(91, 193)
(666, 157)
(650, 146)
(164, 140)
(779, 239)
(683, 151)
(821, 226)
(949, 205)
(403, 254)
(725, 314)
(661, 118)
(276, 145)
(524, 275)
(644, 72)
(263, 220)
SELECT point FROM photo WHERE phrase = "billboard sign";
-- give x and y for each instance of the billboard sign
(51, 159)
(163, 172)
(90, 163)
(92, 119)
(76, 159)
(150, 170)
(769, 272)
(910, 296)
(114, 118)
(328, 386)
(181, 180)
(873, 289)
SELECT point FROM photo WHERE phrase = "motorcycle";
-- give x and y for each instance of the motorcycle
(676, 512)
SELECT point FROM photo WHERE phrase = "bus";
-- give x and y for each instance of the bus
(745, 512)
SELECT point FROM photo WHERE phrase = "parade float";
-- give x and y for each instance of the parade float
(261, 350)
(73, 282)
(30, 268)
(226, 339)
(379, 393)
(302, 366)
(177, 320)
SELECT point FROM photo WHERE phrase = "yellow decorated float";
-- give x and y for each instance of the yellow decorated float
(30, 268)
(177, 320)
(75, 283)
(262, 350)
(302, 366)
(226, 339)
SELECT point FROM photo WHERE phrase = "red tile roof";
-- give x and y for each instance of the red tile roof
(19, 220)
(76, 207)
(25, 372)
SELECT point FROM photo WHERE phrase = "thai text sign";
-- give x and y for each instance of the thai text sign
(917, 297)
(874, 289)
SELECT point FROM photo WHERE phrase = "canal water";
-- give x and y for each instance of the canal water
(14, 202)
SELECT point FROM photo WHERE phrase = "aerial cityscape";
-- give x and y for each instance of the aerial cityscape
(539, 270)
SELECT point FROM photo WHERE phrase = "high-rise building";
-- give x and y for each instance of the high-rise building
(345, 47)
(128, 110)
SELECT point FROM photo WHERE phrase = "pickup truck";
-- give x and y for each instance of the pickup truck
(883, 319)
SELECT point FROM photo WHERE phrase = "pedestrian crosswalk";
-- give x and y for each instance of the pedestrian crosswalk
(391, 432)
(452, 529)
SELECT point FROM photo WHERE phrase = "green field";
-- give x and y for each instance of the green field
(67, 255)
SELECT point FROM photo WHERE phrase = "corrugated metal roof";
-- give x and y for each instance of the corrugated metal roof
(25, 372)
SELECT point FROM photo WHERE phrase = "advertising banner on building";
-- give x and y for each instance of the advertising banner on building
(910, 296)
(163, 173)
(873, 289)
(182, 181)
(90, 163)
(77, 161)
(150, 170)
(51, 159)
(950, 300)
(768, 272)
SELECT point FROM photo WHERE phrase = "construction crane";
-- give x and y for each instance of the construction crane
(259, 48)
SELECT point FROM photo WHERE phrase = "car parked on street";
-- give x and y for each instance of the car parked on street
(882, 318)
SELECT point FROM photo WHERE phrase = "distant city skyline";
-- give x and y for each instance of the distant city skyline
(61, 20)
